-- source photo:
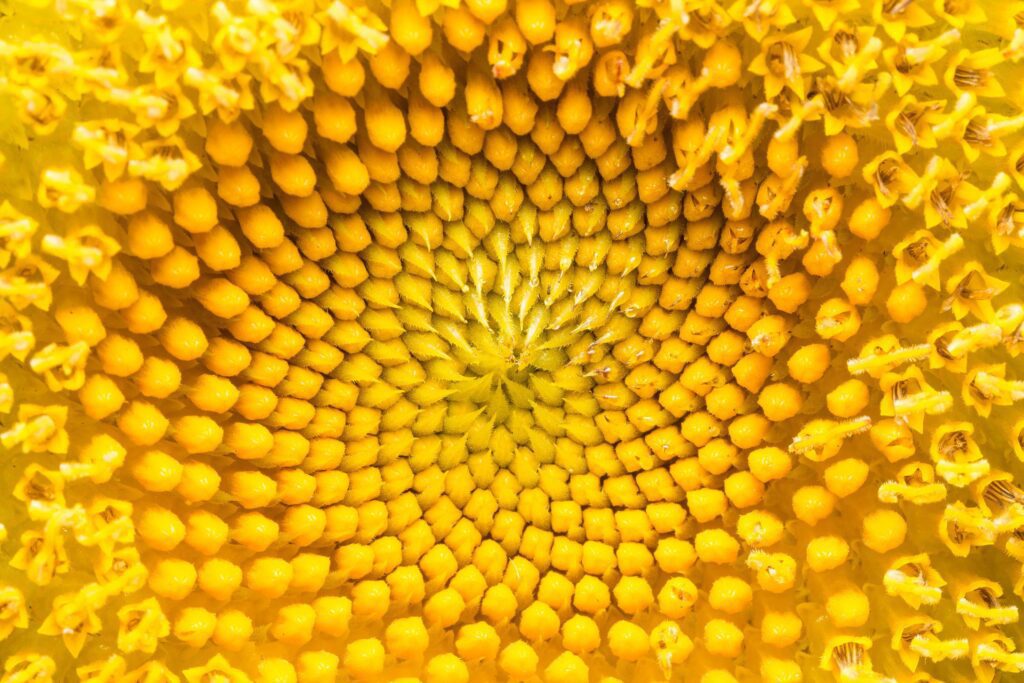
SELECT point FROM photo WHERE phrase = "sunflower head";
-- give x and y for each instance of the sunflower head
(531, 340)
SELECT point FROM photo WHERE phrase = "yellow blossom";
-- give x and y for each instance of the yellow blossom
(13, 611)
(42, 555)
(16, 232)
(74, 617)
(217, 669)
(87, 250)
(784, 62)
(107, 142)
(103, 671)
(39, 429)
(514, 340)
(29, 666)
(64, 189)
(143, 624)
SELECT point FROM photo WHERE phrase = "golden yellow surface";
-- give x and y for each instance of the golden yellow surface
(511, 340)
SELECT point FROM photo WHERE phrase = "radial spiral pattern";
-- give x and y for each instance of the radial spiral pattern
(516, 340)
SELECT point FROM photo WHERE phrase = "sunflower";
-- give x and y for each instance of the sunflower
(516, 340)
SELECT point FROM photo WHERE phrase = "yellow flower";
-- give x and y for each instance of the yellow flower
(293, 28)
(121, 569)
(102, 71)
(350, 28)
(152, 672)
(39, 486)
(216, 670)
(918, 636)
(143, 624)
(108, 142)
(953, 342)
(971, 290)
(896, 16)
(39, 429)
(107, 670)
(995, 652)
(846, 656)
(109, 523)
(42, 555)
(850, 108)
(6, 394)
(227, 95)
(850, 50)
(40, 108)
(911, 122)
(287, 82)
(63, 367)
(522, 341)
(784, 63)
(104, 19)
(13, 611)
(167, 162)
(911, 61)
(16, 232)
(907, 396)
(27, 283)
(74, 617)
(506, 50)
(237, 40)
(100, 458)
(88, 250)
(891, 178)
(960, 14)
(919, 256)
(64, 188)
(970, 72)
(827, 12)
(702, 22)
(160, 107)
(947, 193)
(1005, 223)
(985, 386)
(31, 666)
(34, 63)
(759, 18)
(168, 51)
